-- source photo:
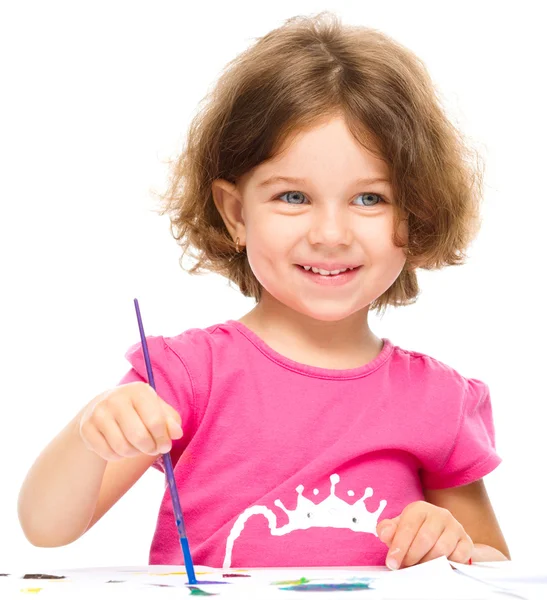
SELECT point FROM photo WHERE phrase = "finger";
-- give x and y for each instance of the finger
(95, 441)
(153, 417)
(426, 540)
(174, 421)
(103, 421)
(408, 527)
(444, 546)
(463, 551)
(386, 530)
(135, 431)
(171, 412)
(116, 439)
(173, 429)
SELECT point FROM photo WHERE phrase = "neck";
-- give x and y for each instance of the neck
(311, 340)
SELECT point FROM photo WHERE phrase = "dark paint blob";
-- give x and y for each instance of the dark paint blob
(234, 575)
(42, 576)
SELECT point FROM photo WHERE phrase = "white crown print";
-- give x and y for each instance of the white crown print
(332, 512)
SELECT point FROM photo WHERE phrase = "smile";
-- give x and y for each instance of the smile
(329, 277)
(325, 272)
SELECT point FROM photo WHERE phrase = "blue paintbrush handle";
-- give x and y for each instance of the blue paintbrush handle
(168, 467)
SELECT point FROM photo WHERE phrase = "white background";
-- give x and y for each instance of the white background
(97, 97)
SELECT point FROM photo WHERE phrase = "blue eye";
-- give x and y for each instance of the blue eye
(367, 202)
(291, 196)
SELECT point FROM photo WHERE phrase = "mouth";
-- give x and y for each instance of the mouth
(326, 272)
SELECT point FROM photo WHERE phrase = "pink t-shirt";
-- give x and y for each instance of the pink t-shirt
(285, 464)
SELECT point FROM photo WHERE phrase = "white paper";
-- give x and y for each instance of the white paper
(434, 580)
(523, 579)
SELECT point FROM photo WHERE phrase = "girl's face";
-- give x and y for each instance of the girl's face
(319, 203)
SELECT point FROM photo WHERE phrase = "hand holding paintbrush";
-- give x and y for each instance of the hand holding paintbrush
(132, 419)
(129, 420)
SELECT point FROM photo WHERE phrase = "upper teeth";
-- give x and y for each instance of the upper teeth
(323, 272)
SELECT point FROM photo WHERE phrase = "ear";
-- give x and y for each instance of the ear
(229, 203)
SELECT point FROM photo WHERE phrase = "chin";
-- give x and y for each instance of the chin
(327, 314)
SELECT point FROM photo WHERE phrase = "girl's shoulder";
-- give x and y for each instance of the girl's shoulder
(425, 371)
(203, 339)
(192, 352)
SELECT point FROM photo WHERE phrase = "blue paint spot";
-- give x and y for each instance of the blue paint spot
(327, 587)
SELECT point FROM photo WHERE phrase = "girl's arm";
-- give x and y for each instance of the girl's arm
(95, 459)
(470, 505)
(69, 488)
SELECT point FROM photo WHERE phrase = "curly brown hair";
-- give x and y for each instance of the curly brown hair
(288, 80)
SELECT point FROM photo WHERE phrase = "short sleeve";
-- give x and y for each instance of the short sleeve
(172, 382)
(472, 454)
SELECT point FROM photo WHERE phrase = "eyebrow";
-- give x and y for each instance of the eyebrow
(299, 181)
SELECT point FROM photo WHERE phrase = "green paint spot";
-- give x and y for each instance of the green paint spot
(195, 591)
(300, 581)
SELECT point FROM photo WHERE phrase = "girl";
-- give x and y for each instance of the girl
(318, 177)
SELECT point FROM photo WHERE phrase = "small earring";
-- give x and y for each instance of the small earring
(237, 245)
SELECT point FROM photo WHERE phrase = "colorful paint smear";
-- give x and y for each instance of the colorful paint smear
(31, 590)
(234, 575)
(327, 587)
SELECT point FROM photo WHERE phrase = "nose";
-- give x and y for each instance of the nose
(330, 226)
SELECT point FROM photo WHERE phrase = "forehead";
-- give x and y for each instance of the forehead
(327, 147)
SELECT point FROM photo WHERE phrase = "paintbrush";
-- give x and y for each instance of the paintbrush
(168, 467)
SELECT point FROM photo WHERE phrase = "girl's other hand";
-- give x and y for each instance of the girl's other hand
(423, 532)
(129, 420)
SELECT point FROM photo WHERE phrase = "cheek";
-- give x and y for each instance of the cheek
(380, 245)
(264, 265)
(270, 242)
(269, 235)
(263, 252)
